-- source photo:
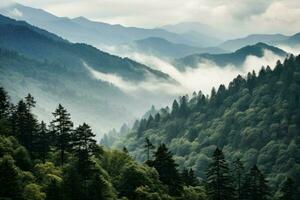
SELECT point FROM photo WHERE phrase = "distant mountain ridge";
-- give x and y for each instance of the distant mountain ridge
(42, 46)
(163, 48)
(53, 70)
(95, 33)
(236, 58)
(272, 39)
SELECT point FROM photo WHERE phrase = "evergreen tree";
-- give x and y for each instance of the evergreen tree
(157, 117)
(148, 148)
(167, 170)
(4, 103)
(84, 146)
(183, 109)
(62, 128)
(188, 177)
(255, 186)
(219, 184)
(42, 141)
(238, 175)
(175, 108)
(288, 190)
(24, 125)
(30, 102)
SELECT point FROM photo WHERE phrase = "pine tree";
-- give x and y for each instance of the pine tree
(84, 146)
(175, 108)
(167, 170)
(188, 177)
(62, 128)
(30, 102)
(288, 190)
(219, 184)
(4, 103)
(42, 141)
(148, 148)
(238, 172)
(183, 109)
(255, 186)
(24, 125)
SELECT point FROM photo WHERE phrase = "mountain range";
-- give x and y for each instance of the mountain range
(236, 58)
(272, 39)
(98, 34)
(163, 48)
(56, 70)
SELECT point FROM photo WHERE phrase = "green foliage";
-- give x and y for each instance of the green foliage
(219, 182)
(256, 119)
(167, 169)
(255, 186)
(33, 192)
(62, 126)
(10, 179)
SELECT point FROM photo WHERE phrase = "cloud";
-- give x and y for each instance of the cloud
(5, 3)
(205, 76)
(290, 49)
(150, 84)
(235, 16)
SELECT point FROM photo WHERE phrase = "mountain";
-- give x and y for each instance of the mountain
(293, 40)
(232, 45)
(86, 31)
(196, 29)
(55, 70)
(255, 119)
(163, 48)
(236, 58)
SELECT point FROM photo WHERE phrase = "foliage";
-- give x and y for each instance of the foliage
(255, 119)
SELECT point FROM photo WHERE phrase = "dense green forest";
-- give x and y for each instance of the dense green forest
(254, 120)
(60, 161)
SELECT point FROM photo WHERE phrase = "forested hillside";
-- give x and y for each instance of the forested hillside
(62, 162)
(255, 119)
(53, 70)
(236, 58)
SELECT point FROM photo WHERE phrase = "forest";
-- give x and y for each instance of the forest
(254, 120)
(60, 161)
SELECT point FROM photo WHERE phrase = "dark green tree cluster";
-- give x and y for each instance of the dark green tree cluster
(223, 183)
(60, 162)
(255, 118)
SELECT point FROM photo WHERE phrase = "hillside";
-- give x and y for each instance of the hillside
(236, 58)
(163, 48)
(42, 47)
(234, 44)
(255, 118)
(55, 70)
(83, 30)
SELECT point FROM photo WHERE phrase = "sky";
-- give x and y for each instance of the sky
(232, 16)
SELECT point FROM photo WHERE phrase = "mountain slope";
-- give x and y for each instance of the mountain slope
(55, 70)
(163, 48)
(236, 58)
(232, 45)
(40, 46)
(206, 33)
(293, 40)
(83, 30)
(255, 119)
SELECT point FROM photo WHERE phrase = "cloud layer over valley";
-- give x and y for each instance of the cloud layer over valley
(204, 77)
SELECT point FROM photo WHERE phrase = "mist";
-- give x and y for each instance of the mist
(204, 77)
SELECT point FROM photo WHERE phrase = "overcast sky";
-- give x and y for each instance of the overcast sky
(235, 16)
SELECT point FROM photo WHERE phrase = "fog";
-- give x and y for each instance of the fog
(205, 76)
